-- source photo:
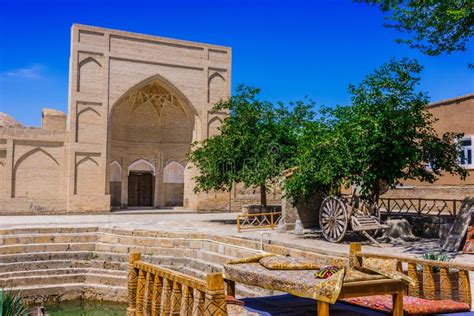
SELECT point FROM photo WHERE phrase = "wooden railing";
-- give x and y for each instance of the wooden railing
(153, 290)
(258, 220)
(420, 206)
(433, 279)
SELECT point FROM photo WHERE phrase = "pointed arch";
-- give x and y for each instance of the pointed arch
(87, 176)
(36, 174)
(216, 74)
(183, 100)
(31, 153)
(88, 109)
(88, 60)
(85, 159)
(89, 75)
(215, 87)
(87, 119)
(115, 171)
(141, 165)
(213, 126)
(173, 172)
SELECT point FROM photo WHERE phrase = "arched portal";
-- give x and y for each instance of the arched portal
(149, 125)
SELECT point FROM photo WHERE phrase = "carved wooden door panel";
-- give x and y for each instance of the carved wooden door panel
(140, 189)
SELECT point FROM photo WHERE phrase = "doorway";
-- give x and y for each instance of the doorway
(140, 189)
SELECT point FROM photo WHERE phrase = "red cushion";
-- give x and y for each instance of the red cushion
(411, 305)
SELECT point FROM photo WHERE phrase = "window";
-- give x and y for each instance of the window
(465, 156)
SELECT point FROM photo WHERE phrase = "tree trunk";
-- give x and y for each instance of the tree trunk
(263, 195)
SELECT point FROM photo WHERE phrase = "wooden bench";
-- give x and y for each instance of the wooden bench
(153, 290)
(434, 280)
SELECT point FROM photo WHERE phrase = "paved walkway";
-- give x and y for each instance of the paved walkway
(217, 224)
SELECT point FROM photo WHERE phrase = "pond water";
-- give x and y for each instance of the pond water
(86, 308)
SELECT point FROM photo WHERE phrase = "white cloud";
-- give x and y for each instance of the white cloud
(32, 72)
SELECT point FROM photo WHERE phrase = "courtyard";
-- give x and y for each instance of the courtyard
(236, 158)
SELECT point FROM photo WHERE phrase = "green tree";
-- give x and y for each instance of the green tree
(384, 137)
(255, 143)
(437, 26)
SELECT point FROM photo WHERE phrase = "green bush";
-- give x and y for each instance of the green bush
(11, 304)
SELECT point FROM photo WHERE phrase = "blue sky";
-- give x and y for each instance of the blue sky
(290, 49)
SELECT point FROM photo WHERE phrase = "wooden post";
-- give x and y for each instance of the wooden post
(323, 308)
(166, 297)
(176, 297)
(215, 304)
(397, 299)
(198, 306)
(140, 292)
(446, 288)
(464, 287)
(132, 283)
(187, 301)
(354, 248)
(428, 283)
(415, 289)
(238, 223)
(156, 296)
(149, 292)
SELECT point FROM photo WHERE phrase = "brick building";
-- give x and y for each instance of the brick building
(136, 103)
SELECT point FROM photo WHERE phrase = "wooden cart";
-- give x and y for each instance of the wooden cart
(340, 213)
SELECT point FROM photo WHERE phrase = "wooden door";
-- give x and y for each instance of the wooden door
(140, 189)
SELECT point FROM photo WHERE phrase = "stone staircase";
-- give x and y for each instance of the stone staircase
(49, 264)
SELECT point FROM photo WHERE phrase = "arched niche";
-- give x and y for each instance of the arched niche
(36, 174)
(89, 76)
(216, 88)
(141, 165)
(88, 125)
(213, 126)
(173, 182)
(115, 171)
(87, 177)
(173, 173)
(115, 184)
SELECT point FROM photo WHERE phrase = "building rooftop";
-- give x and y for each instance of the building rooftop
(451, 100)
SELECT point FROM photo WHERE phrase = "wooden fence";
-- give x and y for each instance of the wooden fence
(153, 290)
(419, 206)
(433, 279)
(258, 220)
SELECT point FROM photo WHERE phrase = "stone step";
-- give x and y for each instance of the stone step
(47, 230)
(58, 264)
(48, 238)
(90, 278)
(70, 270)
(39, 294)
(43, 256)
(47, 247)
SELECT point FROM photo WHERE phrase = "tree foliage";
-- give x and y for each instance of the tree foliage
(437, 26)
(255, 144)
(384, 137)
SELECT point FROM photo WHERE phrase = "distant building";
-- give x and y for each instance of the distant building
(454, 115)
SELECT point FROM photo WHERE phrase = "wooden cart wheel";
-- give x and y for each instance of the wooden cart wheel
(333, 219)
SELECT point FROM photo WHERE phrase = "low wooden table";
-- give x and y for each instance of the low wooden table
(349, 289)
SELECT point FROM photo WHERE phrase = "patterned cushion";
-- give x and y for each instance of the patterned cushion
(411, 305)
(376, 264)
(288, 263)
